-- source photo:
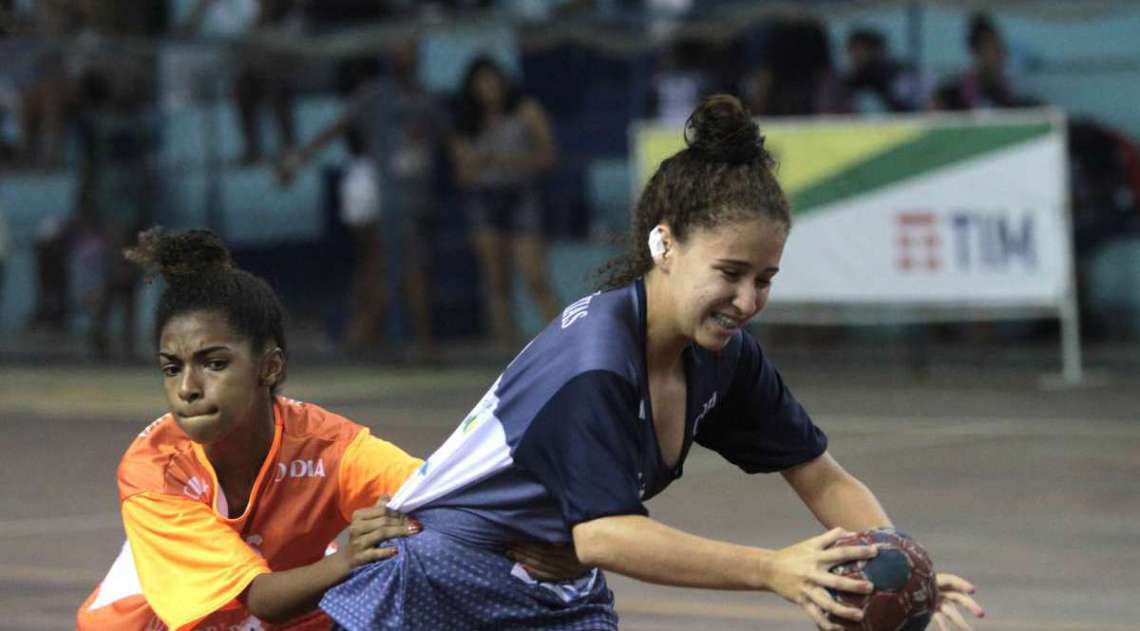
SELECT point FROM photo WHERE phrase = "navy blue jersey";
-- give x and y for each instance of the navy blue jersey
(566, 434)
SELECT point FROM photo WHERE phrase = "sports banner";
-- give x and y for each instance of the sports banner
(932, 211)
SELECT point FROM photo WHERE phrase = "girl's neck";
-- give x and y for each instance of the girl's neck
(239, 457)
(664, 342)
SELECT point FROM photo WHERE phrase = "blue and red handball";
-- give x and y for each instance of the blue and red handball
(906, 593)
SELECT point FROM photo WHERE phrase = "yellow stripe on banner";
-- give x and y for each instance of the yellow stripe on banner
(807, 154)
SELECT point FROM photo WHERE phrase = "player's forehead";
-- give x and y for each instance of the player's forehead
(191, 332)
(756, 241)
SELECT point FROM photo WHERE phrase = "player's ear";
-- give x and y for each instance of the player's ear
(272, 372)
(661, 245)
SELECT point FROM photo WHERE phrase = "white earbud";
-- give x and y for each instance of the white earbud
(656, 243)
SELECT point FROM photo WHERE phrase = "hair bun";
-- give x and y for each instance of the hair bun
(180, 255)
(721, 130)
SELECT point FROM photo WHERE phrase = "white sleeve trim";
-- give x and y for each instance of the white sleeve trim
(122, 580)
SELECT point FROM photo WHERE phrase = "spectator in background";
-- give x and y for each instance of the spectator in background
(359, 196)
(984, 84)
(117, 185)
(875, 81)
(263, 76)
(52, 247)
(37, 70)
(679, 83)
(400, 130)
(797, 76)
(54, 42)
(502, 146)
(45, 111)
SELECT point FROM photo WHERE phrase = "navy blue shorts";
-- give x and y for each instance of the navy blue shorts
(437, 582)
(516, 211)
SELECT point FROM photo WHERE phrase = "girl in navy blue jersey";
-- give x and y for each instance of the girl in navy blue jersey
(597, 414)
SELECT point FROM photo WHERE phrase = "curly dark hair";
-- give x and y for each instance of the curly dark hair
(723, 175)
(200, 276)
(469, 111)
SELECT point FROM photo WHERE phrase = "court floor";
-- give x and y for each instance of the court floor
(1029, 493)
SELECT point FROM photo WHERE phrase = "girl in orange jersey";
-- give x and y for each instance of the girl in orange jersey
(230, 500)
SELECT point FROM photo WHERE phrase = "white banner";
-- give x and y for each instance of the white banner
(986, 231)
(944, 211)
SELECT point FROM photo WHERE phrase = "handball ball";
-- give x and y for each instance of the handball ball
(906, 593)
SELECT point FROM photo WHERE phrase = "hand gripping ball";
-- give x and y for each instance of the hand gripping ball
(906, 593)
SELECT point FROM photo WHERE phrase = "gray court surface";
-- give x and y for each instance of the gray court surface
(1029, 492)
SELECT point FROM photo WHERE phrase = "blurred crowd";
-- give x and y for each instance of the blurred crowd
(79, 91)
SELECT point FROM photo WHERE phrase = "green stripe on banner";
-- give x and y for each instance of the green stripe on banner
(932, 150)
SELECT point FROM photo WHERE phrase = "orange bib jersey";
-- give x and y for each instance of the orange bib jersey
(186, 561)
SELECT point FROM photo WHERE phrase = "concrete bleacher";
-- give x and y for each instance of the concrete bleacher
(259, 210)
(201, 146)
(196, 134)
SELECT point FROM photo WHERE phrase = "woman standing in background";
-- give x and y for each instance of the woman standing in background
(502, 146)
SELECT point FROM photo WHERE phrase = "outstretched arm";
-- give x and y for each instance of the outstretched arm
(834, 496)
(293, 161)
(837, 498)
(648, 550)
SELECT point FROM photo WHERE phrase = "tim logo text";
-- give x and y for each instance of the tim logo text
(969, 240)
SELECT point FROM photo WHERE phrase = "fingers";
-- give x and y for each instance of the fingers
(534, 567)
(374, 512)
(820, 618)
(377, 509)
(824, 601)
(368, 519)
(383, 503)
(965, 601)
(940, 620)
(372, 538)
(957, 590)
(361, 527)
(829, 537)
(555, 553)
(843, 554)
(548, 563)
(950, 582)
(382, 532)
(843, 584)
(526, 558)
(374, 554)
(950, 612)
(540, 574)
